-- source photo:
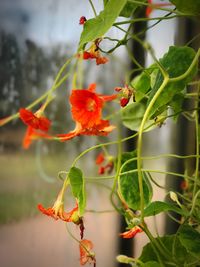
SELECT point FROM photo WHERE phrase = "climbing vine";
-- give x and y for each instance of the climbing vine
(142, 103)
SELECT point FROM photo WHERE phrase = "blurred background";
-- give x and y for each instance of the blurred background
(36, 38)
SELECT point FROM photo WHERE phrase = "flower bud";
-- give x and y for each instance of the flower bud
(123, 259)
(82, 20)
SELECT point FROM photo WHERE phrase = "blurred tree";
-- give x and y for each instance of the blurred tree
(11, 82)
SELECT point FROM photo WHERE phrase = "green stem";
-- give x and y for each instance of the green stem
(197, 148)
(193, 39)
(140, 67)
(100, 145)
(154, 245)
(184, 75)
(148, 47)
(194, 202)
(144, 19)
(139, 147)
(72, 236)
(42, 97)
(143, 170)
(119, 158)
(93, 8)
(164, 172)
(156, 7)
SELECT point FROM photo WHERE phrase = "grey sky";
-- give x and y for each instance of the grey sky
(49, 22)
(45, 22)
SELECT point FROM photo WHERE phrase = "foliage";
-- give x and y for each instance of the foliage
(146, 101)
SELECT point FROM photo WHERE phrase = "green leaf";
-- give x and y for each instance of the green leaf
(130, 8)
(105, 2)
(97, 27)
(191, 7)
(157, 207)
(78, 188)
(128, 183)
(151, 264)
(190, 239)
(177, 103)
(176, 62)
(179, 254)
(133, 114)
(141, 85)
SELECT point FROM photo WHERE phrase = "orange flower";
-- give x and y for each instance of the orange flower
(34, 120)
(27, 140)
(57, 211)
(87, 105)
(132, 232)
(149, 9)
(106, 168)
(86, 255)
(103, 128)
(30, 135)
(100, 158)
(94, 53)
(87, 112)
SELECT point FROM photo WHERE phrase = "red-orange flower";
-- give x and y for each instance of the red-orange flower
(108, 167)
(30, 135)
(87, 112)
(36, 122)
(57, 211)
(94, 53)
(86, 255)
(132, 232)
(37, 126)
(149, 9)
(87, 105)
(103, 128)
(100, 158)
(27, 140)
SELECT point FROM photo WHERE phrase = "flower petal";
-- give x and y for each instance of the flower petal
(30, 119)
(100, 158)
(85, 252)
(86, 107)
(132, 232)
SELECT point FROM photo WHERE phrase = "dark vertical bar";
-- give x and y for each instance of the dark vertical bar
(183, 134)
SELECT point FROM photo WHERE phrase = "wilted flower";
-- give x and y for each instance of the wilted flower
(86, 255)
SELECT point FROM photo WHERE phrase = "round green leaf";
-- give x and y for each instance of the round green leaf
(129, 186)
(133, 114)
(179, 255)
(157, 207)
(176, 62)
(190, 239)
